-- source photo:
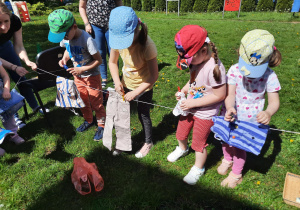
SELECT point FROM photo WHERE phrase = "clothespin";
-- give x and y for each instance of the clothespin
(178, 89)
(66, 67)
(123, 95)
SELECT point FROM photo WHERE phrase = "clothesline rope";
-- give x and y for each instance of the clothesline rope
(166, 107)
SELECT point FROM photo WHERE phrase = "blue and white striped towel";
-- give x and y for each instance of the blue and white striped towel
(244, 135)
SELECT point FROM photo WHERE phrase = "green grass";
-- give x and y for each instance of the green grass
(37, 174)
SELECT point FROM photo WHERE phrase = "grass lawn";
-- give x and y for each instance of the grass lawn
(37, 174)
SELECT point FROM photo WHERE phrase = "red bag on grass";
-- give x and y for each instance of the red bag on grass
(85, 175)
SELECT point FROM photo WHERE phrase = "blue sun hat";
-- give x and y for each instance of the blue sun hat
(122, 23)
(256, 48)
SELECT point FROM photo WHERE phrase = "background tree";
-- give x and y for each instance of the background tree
(136, 5)
(200, 5)
(248, 5)
(284, 5)
(215, 5)
(147, 5)
(160, 5)
(265, 5)
(186, 5)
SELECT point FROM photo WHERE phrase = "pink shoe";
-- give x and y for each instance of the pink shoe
(2, 152)
(232, 180)
(223, 168)
(17, 139)
(144, 150)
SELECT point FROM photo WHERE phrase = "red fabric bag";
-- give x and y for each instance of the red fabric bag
(85, 175)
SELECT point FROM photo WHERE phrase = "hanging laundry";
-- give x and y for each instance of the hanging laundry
(118, 116)
(248, 136)
(67, 94)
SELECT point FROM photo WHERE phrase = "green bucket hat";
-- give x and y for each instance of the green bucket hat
(59, 22)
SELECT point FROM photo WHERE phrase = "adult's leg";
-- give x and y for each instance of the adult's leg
(101, 45)
(8, 53)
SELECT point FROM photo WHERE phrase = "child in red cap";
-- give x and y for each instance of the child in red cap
(205, 92)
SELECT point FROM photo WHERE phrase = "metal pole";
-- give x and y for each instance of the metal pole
(240, 8)
(223, 9)
(178, 8)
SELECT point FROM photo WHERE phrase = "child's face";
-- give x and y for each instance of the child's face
(70, 32)
(200, 56)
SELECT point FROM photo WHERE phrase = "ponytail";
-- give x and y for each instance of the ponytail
(217, 72)
(275, 58)
(142, 39)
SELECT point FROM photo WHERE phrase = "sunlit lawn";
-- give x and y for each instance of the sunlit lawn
(37, 175)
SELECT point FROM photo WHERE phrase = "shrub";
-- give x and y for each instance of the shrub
(215, 5)
(136, 5)
(173, 6)
(127, 3)
(147, 5)
(186, 5)
(265, 5)
(160, 5)
(200, 5)
(284, 5)
(248, 5)
(38, 9)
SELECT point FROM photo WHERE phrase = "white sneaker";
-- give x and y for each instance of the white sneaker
(2, 152)
(176, 154)
(193, 176)
(144, 150)
(19, 123)
(17, 139)
(117, 152)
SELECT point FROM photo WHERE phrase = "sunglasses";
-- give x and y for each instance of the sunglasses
(67, 33)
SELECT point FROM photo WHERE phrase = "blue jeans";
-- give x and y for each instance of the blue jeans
(8, 53)
(102, 41)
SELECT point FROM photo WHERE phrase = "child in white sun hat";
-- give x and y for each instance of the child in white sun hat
(128, 38)
(248, 82)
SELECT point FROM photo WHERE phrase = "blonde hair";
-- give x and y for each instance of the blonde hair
(4, 9)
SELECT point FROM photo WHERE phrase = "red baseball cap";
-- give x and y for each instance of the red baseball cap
(187, 42)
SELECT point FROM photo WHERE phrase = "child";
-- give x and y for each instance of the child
(82, 50)
(128, 38)
(248, 81)
(205, 91)
(10, 123)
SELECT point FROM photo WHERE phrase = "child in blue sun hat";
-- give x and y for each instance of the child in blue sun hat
(248, 82)
(128, 38)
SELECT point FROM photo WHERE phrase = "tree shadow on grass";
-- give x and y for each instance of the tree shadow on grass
(162, 65)
(132, 184)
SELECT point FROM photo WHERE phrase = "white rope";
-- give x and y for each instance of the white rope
(166, 107)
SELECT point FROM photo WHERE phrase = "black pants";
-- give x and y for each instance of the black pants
(144, 112)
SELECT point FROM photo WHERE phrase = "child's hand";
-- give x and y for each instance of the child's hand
(6, 95)
(263, 117)
(177, 95)
(75, 71)
(188, 104)
(62, 62)
(119, 88)
(130, 96)
(229, 114)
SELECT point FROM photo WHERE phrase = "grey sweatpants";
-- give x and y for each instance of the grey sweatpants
(118, 116)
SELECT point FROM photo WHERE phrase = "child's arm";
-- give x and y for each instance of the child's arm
(114, 70)
(219, 94)
(79, 70)
(230, 103)
(21, 71)
(6, 89)
(64, 59)
(264, 117)
(153, 68)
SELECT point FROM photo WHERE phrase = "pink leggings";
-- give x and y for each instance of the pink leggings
(236, 155)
